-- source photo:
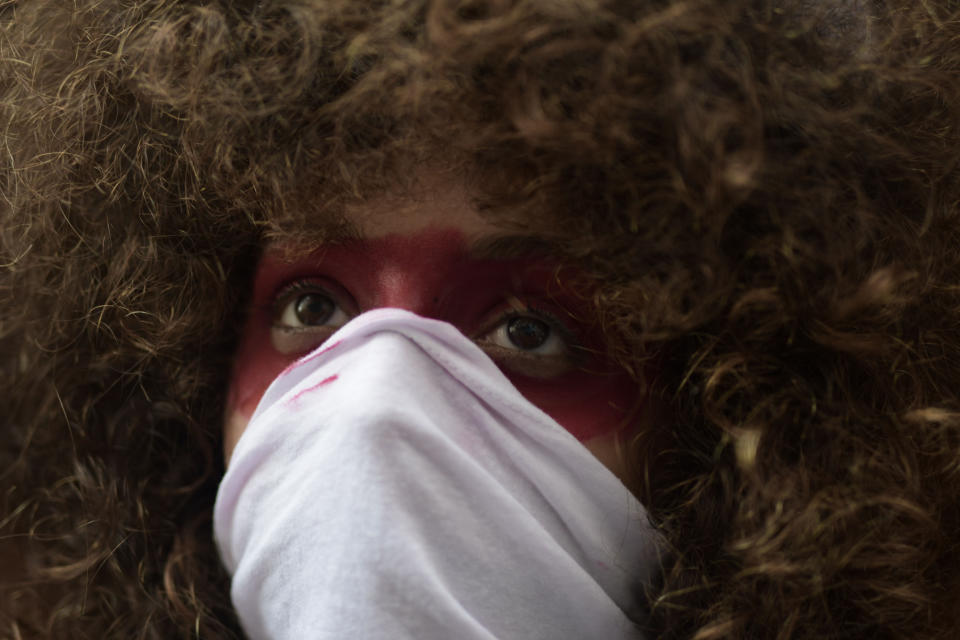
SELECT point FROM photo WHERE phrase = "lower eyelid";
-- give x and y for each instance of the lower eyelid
(299, 340)
(527, 363)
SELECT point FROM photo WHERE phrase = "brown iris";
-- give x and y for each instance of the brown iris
(314, 309)
(528, 333)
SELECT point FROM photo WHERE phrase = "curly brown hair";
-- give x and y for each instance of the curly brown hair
(766, 192)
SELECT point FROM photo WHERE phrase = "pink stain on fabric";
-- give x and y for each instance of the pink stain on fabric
(308, 358)
(300, 393)
(314, 356)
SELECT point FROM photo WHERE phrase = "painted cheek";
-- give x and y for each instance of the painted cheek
(587, 405)
(255, 366)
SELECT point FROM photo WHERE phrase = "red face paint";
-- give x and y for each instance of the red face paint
(432, 274)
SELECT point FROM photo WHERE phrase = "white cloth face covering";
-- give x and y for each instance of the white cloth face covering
(393, 484)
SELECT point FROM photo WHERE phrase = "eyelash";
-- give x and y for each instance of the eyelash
(521, 309)
(285, 293)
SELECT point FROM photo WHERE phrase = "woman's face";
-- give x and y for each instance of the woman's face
(432, 254)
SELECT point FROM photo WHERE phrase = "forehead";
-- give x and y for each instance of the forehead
(426, 199)
(433, 201)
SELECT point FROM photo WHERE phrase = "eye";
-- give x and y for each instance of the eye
(312, 309)
(530, 334)
(531, 343)
(306, 313)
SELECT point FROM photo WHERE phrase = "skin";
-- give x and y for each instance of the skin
(423, 252)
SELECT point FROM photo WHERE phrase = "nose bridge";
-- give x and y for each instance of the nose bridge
(412, 272)
(412, 285)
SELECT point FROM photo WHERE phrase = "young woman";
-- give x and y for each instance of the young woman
(428, 297)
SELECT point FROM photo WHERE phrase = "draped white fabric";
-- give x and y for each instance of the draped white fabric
(393, 485)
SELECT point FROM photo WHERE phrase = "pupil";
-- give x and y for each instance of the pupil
(314, 309)
(528, 333)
